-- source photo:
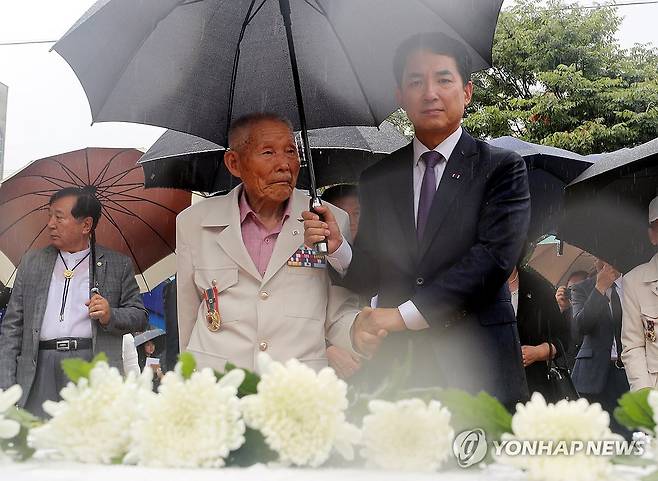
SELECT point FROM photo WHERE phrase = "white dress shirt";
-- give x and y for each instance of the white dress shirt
(341, 259)
(76, 321)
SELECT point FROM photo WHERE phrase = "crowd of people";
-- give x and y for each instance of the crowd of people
(425, 267)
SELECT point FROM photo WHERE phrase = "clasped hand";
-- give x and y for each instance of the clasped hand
(373, 325)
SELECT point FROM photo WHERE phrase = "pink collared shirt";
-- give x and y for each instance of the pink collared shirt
(257, 239)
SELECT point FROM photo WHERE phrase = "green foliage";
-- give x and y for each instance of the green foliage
(188, 364)
(560, 78)
(254, 450)
(76, 368)
(17, 447)
(634, 411)
(250, 383)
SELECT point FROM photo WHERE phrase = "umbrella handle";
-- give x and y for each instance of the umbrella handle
(321, 247)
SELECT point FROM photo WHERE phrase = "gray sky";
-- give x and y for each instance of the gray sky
(48, 111)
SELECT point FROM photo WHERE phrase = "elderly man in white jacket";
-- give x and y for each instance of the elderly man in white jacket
(640, 321)
(246, 282)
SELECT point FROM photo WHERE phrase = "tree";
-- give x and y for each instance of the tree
(561, 78)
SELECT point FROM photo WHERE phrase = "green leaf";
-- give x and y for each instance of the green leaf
(480, 411)
(76, 368)
(188, 364)
(250, 383)
(254, 450)
(634, 411)
(17, 447)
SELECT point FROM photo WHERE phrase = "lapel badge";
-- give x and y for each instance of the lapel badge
(211, 298)
(456, 176)
(305, 257)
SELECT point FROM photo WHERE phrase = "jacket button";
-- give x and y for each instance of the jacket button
(420, 281)
(262, 346)
(264, 295)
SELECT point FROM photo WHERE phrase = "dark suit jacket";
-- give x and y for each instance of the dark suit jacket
(593, 320)
(456, 275)
(19, 336)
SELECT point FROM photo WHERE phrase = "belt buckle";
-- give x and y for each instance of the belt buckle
(66, 345)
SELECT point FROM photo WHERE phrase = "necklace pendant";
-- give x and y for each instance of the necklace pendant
(68, 274)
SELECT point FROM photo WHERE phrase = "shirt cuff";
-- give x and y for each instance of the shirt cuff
(412, 317)
(341, 259)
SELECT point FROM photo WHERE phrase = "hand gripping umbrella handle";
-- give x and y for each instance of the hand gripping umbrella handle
(321, 247)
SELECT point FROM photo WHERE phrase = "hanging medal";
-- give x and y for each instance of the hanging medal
(650, 329)
(211, 297)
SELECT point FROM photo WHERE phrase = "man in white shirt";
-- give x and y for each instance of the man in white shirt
(53, 315)
(442, 224)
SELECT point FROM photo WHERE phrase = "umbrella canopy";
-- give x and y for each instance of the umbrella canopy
(606, 207)
(340, 154)
(556, 267)
(195, 65)
(550, 169)
(137, 222)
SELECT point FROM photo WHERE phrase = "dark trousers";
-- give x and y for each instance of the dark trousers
(616, 385)
(49, 378)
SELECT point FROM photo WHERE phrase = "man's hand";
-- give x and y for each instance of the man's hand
(606, 277)
(99, 309)
(342, 362)
(315, 230)
(563, 301)
(372, 325)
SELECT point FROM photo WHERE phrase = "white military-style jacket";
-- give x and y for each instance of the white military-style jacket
(639, 328)
(288, 312)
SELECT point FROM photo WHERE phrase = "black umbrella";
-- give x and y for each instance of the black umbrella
(606, 208)
(340, 154)
(550, 169)
(195, 65)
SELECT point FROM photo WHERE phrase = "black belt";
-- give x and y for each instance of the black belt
(66, 344)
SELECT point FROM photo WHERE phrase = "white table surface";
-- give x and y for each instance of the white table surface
(39, 470)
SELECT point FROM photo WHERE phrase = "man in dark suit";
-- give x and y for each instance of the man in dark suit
(598, 373)
(442, 225)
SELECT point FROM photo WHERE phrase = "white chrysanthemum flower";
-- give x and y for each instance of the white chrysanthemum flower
(300, 413)
(92, 423)
(8, 427)
(190, 423)
(563, 421)
(408, 435)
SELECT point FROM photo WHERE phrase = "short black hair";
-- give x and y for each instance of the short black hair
(438, 43)
(582, 274)
(86, 205)
(245, 122)
(331, 194)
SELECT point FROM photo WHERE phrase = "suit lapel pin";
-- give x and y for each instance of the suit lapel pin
(456, 176)
(99, 263)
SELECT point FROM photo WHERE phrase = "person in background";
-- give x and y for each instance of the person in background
(598, 372)
(52, 314)
(346, 197)
(541, 327)
(563, 299)
(640, 308)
